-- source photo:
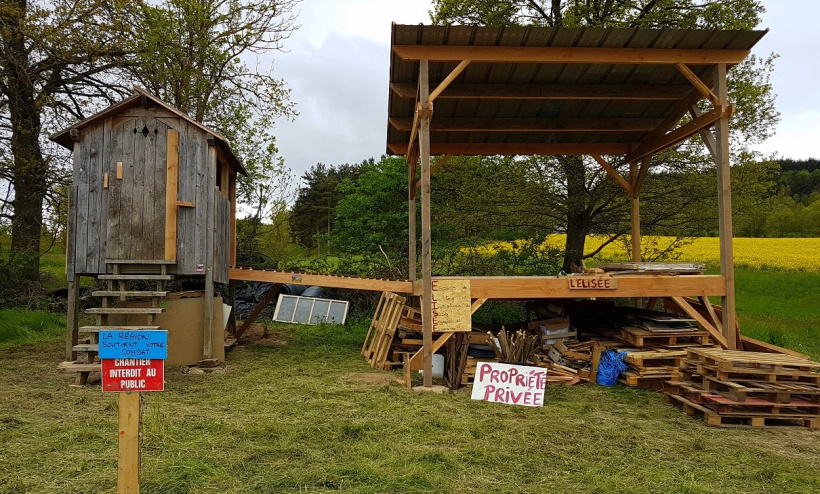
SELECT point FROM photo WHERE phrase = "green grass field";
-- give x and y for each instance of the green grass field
(301, 411)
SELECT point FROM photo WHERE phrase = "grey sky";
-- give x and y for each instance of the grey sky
(337, 68)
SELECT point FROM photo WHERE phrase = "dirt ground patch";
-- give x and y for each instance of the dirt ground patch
(374, 378)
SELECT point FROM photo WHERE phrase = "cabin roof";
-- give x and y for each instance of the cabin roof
(532, 90)
(140, 97)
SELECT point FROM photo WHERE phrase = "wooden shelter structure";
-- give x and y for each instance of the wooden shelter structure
(617, 95)
(153, 197)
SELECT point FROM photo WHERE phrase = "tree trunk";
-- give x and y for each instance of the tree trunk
(577, 214)
(29, 170)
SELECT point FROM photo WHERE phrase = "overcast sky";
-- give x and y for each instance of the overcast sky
(337, 68)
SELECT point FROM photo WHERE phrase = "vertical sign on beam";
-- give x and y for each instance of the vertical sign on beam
(426, 240)
(727, 268)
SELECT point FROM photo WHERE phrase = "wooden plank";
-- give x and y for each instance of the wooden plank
(232, 240)
(412, 235)
(704, 301)
(95, 140)
(113, 238)
(224, 180)
(125, 310)
(137, 244)
(71, 226)
(274, 290)
(636, 92)
(416, 361)
(204, 201)
(635, 214)
(426, 239)
(727, 267)
(82, 163)
(524, 287)
(532, 124)
(136, 277)
(105, 166)
(691, 312)
(705, 134)
(128, 293)
(210, 193)
(754, 345)
(492, 149)
(477, 305)
(128, 458)
(185, 216)
(326, 281)
(612, 172)
(569, 55)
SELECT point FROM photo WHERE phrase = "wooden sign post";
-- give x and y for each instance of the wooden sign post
(132, 362)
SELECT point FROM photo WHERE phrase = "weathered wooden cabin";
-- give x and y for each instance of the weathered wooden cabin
(153, 197)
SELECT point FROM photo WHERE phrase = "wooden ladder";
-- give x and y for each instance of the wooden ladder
(117, 291)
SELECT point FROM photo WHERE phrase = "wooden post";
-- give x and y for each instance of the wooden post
(426, 240)
(72, 318)
(635, 204)
(727, 267)
(207, 350)
(128, 464)
(232, 196)
(411, 223)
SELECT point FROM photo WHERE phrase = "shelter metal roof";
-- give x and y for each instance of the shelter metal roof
(529, 86)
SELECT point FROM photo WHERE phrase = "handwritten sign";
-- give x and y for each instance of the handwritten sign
(151, 344)
(511, 384)
(130, 374)
(451, 305)
(592, 283)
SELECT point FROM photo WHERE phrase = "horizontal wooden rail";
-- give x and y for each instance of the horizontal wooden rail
(322, 280)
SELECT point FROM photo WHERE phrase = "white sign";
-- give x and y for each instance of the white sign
(510, 384)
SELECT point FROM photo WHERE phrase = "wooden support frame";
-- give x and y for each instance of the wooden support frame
(274, 290)
(532, 124)
(438, 166)
(613, 173)
(72, 317)
(705, 134)
(522, 149)
(694, 314)
(323, 280)
(208, 329)
(552, 92)
(569, 55)
(680, 134)
(635, 213)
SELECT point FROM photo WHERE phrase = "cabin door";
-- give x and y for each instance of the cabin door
(137, 184)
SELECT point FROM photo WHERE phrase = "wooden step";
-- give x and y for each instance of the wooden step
(97, 329)
(144, 277)
(128, 293)
(86, 347)
(126, 310)
(140, 261)
(75, 367)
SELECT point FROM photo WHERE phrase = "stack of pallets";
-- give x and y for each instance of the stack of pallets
(748, 389)
(651, 368)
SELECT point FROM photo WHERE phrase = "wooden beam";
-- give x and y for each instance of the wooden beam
(637, 185)
(705, 134)
(493, 149)
(438, 166)
(232, 226)
(665, 92)
(702, 88)
(704, 301)
(448, 80)
(727, 267)
(477, 305)
(411, 144)
(72, 317)
(569, 55)
(412, 235)
(322, 280)
(678, 135)
(635, 214)
(525, 287)
(415, 362)
(613, 173)
(426, 239)
(532, 124)
(274, 290)
(171, 194)
(694, 314)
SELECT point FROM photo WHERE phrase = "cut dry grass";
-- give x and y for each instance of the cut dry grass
(306, 416)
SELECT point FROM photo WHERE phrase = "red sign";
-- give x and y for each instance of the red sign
(132, 374)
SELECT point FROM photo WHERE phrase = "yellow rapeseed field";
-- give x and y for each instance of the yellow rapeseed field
(783, 254)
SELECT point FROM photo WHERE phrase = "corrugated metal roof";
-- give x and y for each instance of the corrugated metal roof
(639, 77)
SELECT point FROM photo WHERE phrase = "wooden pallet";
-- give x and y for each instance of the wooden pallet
(750, 374)
(383, 327)
(776, 392)
(712, 418)
(668, 339)
(655, 358)
(734, 361)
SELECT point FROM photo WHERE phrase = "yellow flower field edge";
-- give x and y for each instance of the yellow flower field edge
(780, 254)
